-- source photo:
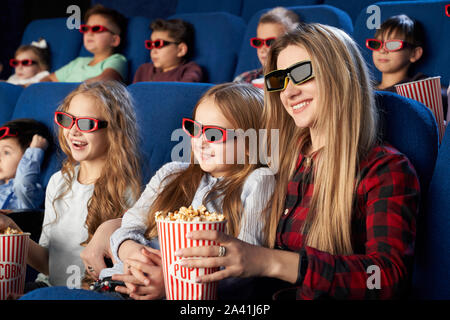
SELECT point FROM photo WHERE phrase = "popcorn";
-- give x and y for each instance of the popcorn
(179, 281)
(10, 230)
(190, 215)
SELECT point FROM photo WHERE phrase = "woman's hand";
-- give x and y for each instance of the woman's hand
(94, 254)
(143, 281)
(240, 260)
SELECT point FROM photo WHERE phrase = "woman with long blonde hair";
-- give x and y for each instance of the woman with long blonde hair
(99, 180)
(345, 203)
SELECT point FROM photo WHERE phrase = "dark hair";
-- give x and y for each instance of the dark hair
(113, 16)
(26, 129)
(179, 30)
(411, 30)
(43, 54)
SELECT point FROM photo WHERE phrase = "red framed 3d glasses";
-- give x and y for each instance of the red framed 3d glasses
(447, 10)
(84, 124)
(158, 43)
(388, 45)
(84, 28)
(212, 134)
(25, 62)
(7, 132)
(259, 42)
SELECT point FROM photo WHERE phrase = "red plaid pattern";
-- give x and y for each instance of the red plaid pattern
(249, 76)
(383, 231)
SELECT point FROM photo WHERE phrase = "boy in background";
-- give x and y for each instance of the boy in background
(171, 46)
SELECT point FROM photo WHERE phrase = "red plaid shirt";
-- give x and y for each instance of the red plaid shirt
(383, 232)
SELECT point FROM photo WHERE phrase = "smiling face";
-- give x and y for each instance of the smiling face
(86, 146)
(212, 157)
(264, 31)
(101, 42)
(26, 72)
(10, 155)
(300, 101)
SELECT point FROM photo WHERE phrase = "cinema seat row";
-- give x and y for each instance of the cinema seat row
(222, 39)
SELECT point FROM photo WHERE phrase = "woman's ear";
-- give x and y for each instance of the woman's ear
(182, 50)
(416, 54)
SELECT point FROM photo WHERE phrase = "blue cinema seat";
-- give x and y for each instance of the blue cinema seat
(197, 6)
(431, 277)
(9, 94)
(133, 49)
(352, 7)
(64, 43)
(218, 36)
(251, 7)
(39, 101)
(160, 107)
(248, 60)
(151, 9)
(411, 128)
(436, 59)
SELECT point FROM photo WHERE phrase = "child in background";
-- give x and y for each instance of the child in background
(271, 25)
(171, 47)
(103, 35)
(22, 147)
(31, 63)
(99, 180)
(398, 44)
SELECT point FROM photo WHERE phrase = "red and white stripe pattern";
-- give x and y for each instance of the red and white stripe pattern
(428, 92)
(180, 281)
(13, 252)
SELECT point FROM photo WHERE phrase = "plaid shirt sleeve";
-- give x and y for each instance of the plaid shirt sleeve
(249, 76)
(387, 204)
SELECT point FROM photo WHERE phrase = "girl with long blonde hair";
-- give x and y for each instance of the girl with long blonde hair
(99, 180)
(345, 203)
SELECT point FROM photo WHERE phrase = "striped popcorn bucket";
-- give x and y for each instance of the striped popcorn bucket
(179, 281)
(13, 252)
(428, 92)
(259, 83)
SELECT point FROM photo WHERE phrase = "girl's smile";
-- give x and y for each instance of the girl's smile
(86, 146)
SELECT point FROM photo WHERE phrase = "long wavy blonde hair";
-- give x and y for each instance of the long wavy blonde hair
(346, 115)
(120, 178)
(242, 105)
